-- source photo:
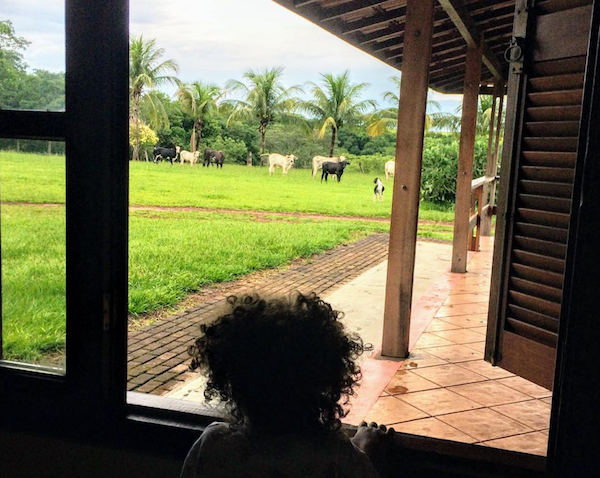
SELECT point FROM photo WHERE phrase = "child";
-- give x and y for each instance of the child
(281, 366)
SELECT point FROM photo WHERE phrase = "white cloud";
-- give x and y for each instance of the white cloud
(214, 40)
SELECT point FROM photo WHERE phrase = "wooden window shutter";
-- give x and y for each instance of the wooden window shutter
(541, 139)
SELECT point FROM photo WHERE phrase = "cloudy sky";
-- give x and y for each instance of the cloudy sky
(215, 40)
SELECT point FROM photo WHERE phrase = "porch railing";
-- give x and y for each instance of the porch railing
(482, 204)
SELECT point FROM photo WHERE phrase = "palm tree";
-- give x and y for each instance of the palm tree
(452, 122)
(387, 118)
(199, 100)
(146, 72)
(266, 100)
(336, 104)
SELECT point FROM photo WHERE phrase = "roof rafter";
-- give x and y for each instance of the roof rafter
(460, 16)
(352, 7)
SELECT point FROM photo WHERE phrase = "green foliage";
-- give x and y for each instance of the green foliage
(147, 138)
(41, 90)
(336, 103)
(440, 166)
(265, 100)
(297, 141)
(235, 150)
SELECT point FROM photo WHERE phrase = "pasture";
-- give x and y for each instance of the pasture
(172, 252)
(41, 179)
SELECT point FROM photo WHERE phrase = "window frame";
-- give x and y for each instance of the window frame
(92, 395)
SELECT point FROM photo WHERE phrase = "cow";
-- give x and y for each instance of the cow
(333, 168)
(165, 153)
(378, 190)
(390, 169)
(319, 160)
(279, 160)
(191, 158)
(213, 157)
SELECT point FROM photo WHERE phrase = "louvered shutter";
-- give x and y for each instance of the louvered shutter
(529, 266)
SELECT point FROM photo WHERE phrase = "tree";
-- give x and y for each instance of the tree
(12, 66)
(452, 122)
(387, 118)
(146, 72)
(266, 100)
(336, 104)
(199, 100)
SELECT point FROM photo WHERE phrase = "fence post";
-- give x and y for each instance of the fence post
(466, 151)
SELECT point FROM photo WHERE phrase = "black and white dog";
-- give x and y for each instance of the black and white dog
(378, 190)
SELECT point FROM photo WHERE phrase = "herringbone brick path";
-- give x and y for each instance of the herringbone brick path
(158, 359)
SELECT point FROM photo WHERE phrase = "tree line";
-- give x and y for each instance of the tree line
(252, 115)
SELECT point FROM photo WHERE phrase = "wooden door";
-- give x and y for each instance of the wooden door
(541, 137)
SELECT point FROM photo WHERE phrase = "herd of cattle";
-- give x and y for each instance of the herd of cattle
(334, 165)
(170, 154)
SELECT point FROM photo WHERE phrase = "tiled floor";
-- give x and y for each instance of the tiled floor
(446, 390)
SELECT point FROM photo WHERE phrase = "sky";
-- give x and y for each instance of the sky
(215, 40)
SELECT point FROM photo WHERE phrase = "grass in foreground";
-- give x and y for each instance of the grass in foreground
(39, 179)
(171, 254)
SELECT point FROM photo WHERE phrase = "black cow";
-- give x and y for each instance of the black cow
(333, 168)
(213, 157)
(165, 153)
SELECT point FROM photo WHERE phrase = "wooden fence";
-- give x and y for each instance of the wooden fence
(482, 204)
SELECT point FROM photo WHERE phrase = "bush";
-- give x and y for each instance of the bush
(440, 166)
(235, 150)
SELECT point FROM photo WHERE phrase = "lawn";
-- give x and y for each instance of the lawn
(41, 179)
(171, 254)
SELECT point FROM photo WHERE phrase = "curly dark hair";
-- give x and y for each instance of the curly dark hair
(280, 362)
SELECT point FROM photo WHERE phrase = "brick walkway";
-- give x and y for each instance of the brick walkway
(158, 358)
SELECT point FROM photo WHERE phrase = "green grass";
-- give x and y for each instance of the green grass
(171, 254)
(39, 179)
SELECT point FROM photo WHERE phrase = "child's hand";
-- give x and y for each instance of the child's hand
(373, 440)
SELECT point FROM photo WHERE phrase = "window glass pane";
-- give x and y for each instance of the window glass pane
(32, 55)
(32, 226)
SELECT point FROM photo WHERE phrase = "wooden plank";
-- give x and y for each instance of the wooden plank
(528, 359)
(465, 159)
(486, 220)
(554, 113)
(460, 16)
(554, 28)
(409, 159)
(549, 158)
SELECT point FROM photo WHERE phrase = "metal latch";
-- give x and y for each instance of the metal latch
(515, 53)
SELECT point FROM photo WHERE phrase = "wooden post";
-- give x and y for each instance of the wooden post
(466, 151)
(407, 183)
(49, 147)
(249, 159)
(496, 148)
(486, 219)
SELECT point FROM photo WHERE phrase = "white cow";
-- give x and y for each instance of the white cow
(390, 169)
(279, 160)
(191, 158)
(319, 160)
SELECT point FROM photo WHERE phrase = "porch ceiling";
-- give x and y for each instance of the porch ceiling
(377, 28)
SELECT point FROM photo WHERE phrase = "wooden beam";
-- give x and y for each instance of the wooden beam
(465, 158)
(486, 221)
(469, 30)
(351, 8)
(409, 158)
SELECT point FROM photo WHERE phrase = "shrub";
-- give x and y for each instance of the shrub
(440, 166)
(235, 150)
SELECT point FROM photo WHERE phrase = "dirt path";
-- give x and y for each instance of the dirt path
(259, 214)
